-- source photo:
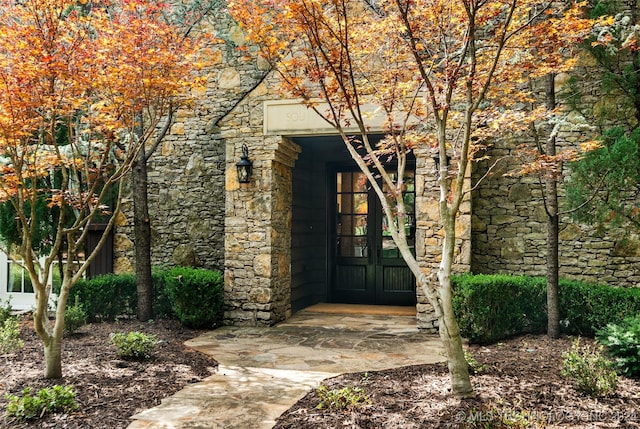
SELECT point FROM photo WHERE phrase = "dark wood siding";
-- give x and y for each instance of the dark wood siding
(103, 263)
(308, 246)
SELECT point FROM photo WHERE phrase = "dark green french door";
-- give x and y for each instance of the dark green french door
(367, 267)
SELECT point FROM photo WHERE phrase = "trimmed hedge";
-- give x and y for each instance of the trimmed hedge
(107, 296)
(586, 308)
(493, 307)
(194, 295)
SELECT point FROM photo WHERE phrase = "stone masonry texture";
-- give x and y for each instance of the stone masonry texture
(202, 216)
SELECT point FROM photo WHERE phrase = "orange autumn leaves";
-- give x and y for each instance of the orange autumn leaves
(75, 77)
(429, 60)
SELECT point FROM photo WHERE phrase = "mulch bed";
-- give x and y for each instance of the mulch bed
(520, 387)
(109, 390)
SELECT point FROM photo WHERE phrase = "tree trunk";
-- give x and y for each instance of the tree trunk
(142, 238)
(553, 308)
(52, 336)
(551, 188)
(447, 324)
(53, 358)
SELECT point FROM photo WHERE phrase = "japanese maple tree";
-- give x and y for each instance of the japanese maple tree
(444, 75)
(76, 81)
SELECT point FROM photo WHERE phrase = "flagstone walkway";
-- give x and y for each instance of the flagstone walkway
(264, 371)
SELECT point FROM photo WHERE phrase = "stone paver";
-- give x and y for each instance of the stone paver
(264, 371)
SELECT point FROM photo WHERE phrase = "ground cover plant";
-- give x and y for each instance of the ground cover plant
(29, 405)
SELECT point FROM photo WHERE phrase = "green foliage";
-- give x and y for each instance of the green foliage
(623, 344)
(196, 295)
(602, 8)
(10, 340)
(106, 297)
(585, 307)
(134, 345)
(593, 373)
(47, 400)
(45, 220)
(611, 174)
(475, 367)
(75, 317)
(492, 307)
(341, 399)
(162, 305)
(5, 311)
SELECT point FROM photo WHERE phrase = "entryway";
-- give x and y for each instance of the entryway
(341, 251)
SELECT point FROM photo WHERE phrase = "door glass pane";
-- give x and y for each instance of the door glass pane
(389, 248)
(352, 209)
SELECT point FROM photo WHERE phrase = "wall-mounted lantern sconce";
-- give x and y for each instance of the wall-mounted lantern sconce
(244, 166)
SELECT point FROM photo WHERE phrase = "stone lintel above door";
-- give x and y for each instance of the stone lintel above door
(294, 118)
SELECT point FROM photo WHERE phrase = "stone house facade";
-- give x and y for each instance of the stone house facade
(276, 238)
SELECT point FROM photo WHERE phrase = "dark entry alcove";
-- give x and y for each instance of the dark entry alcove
(309, 219)
(317, 268)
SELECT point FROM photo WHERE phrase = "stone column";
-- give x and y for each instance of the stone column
(258, 232)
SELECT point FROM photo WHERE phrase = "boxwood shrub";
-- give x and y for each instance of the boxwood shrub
(196, 295)
(586, 308)
(106, 297)
(492, 307)
(193, 295)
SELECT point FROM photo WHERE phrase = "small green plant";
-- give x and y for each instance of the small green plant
(474, 366)
(623, 345)
(10, 340)
(341, 399)
(5, 311)
(593, 373)
(48, 400)
(75, 317)
(134, 345)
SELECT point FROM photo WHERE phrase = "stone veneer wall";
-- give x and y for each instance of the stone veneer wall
(202, 216)
(429, 234)
(509, 219)
(186, 174)
(258, 217)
